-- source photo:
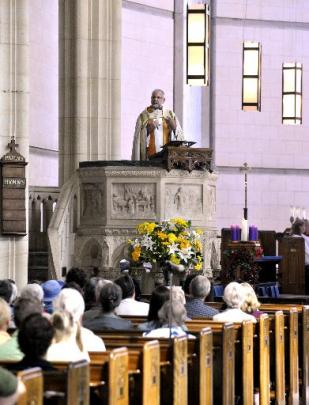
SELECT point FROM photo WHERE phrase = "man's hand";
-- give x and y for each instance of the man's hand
(171, 123)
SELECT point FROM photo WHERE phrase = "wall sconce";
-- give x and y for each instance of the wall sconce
(292, 93)
(251, 76)
(198, 29)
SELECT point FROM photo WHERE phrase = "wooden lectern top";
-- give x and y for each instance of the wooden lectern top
(180, 155)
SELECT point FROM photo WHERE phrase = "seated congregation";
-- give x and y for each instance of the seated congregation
(172, 347)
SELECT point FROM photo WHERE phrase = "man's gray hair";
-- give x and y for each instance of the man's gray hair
(32, 291)
(97, 290)
(200, 287)
(158, 90)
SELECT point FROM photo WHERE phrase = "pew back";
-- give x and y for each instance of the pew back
(33, 380)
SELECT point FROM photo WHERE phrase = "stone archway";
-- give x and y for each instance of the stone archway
(92, 255)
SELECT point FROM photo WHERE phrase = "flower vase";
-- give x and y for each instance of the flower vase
(168, 276)
(173, 274)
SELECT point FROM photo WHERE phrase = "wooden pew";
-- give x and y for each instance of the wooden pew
(280, 358)
(69, 384)
(243, 342)
(144, 361)
(108, 369)
(33, 380)
(289, 345)
(205, 367)
(293, 357)
(180, 371)
(224, 338)
(305, 355)
(76, 384)
(173, 361)
(264, 372)
(247, 363)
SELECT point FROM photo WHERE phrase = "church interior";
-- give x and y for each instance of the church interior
(154, 230)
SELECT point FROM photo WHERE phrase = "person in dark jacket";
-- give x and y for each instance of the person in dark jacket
(110, 298)
(195, 306)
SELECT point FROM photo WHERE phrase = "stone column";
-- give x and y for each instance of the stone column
(14, 102)
(90, 51)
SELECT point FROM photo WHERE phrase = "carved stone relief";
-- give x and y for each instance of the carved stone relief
(92, 200)
(133, 201)
(92, 253)
(183, 200)
(211, 202)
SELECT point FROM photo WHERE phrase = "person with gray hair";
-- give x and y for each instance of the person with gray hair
(32, 291)
(23, 307)
(172, 316)
(155, 126)
(234, 296)
(110, 298)
(196, 308)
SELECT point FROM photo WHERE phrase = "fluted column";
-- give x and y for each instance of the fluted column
(14, 107)
(90, 36)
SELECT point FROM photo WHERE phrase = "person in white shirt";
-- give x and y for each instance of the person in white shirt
(234, 296)
(128, 304)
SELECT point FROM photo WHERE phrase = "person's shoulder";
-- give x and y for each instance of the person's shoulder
(212, 310)
(9, 350)
(91, 341)
(8, 382)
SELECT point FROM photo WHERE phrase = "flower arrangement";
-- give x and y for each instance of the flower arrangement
(171, 241)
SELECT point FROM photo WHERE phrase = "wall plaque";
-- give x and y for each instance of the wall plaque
(13, 197)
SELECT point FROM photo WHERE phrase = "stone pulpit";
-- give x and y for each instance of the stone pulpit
(115, 196)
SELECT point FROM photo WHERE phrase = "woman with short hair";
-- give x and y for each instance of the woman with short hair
(233, 296)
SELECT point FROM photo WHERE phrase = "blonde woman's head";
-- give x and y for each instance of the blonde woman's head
(64, 325)
(250, 303)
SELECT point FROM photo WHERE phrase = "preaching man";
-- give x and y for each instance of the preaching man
(155, 127)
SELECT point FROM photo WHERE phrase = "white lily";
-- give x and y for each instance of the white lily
(185, 254)
(147, 242)
(173, 248)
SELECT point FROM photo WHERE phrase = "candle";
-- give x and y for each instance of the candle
(237, 232)
(244, 230)
(251, 232)
(233, 233)
(304, 214)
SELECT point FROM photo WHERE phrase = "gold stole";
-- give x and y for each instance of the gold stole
(151, 149)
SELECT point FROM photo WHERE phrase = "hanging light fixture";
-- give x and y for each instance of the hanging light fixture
(292, 93)
(251, 76)
(198, 29)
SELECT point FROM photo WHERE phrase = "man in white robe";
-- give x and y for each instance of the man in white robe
(155, 127)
